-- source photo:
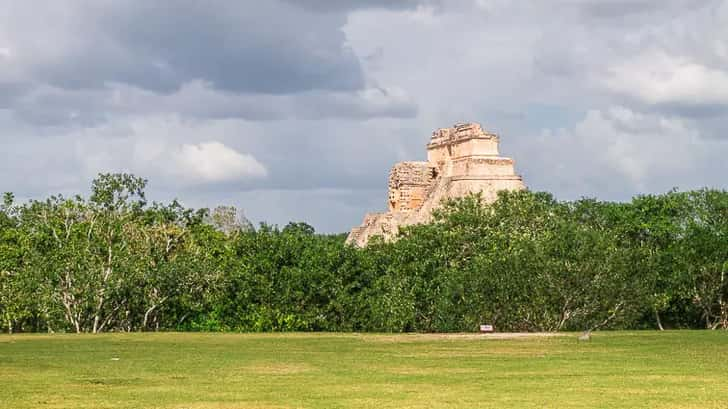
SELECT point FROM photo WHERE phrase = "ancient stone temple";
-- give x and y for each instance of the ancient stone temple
(460, 160)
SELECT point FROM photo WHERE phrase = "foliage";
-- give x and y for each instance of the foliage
(527, 262)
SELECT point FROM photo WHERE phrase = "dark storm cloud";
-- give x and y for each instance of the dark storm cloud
(10, 92)
(347, 5)
(701, 112)
(591, 97)
(45, 105)
(266, 60)
(265, 47)
(620, 8)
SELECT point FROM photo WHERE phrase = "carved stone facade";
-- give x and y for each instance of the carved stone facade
(460, 160)
(409, 185)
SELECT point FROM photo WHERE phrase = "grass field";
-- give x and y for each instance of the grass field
(686, 369)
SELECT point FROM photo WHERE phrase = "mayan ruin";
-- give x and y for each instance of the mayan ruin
(460, 160)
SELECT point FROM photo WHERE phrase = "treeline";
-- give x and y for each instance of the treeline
(114, 262)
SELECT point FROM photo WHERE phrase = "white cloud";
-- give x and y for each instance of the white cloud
(616, 152)
(626, 80)
(213, 162)
(172, 151)
(174, 154)
(636, 145)
(659, 78)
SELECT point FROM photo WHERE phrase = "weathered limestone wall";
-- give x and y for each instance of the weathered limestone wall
(409, 184)
(460, 160)
(475, 147)
(481, 166)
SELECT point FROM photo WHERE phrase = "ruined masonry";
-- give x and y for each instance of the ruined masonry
(460, 160)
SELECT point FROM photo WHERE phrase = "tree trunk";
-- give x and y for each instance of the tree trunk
(658, 320)
(606, 321)
(70, 305)
(99, 306)
(146, 317)
(107, 320)
(184, 317)
(102, 291)
(101, 296)
(150, 310)
(723, 314)
(723, 304)
(71, 317)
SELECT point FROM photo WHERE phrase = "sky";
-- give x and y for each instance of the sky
(295, 110)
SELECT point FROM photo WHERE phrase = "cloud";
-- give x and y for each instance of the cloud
(616, 153)
(176, 153)
(213, 162)
(215, 60)
(45, 105)
(348, 5)
(179, 155)
(596, 98)
(658, 78)
(236, 46)
(620, 9)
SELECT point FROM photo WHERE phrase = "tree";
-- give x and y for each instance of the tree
(116, 202)
(704, 254)
(229, 220)
(82, 249)
(14, 297)
(525, 262)
(171, 263)
(649, 228)
(594, 266)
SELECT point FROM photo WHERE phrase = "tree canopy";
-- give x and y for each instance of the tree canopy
(527, 262)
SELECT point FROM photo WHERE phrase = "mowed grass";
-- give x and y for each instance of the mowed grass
(681, 369)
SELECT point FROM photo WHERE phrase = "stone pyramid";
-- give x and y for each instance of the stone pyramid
(461, 160)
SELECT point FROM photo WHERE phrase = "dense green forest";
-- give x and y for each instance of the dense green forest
(114, 262)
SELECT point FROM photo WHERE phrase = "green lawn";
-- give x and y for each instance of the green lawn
(685, 369)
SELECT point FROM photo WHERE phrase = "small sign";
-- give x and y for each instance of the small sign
(486, 328)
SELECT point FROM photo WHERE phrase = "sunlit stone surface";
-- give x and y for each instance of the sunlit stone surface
(460, 160)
